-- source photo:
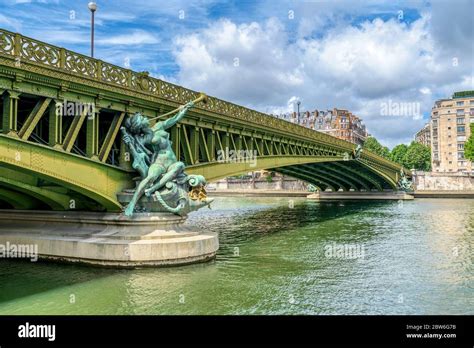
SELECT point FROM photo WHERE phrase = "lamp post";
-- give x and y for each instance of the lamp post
(92, 7)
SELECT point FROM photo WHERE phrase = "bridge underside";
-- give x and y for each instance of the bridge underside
(336, 176)
(35, 176)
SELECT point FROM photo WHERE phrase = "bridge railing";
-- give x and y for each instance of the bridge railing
(27, 50)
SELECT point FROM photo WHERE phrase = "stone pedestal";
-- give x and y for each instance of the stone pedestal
(108, 239)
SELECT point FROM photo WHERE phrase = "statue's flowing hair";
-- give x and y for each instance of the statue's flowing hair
(137, 123)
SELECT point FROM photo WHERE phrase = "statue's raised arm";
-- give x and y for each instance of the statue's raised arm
(181, 112)
(170, 122)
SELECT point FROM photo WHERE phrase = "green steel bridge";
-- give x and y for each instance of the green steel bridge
(48, 160)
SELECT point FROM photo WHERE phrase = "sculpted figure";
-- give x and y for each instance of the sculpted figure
(357, 152)
(404, 183)
(154, 159)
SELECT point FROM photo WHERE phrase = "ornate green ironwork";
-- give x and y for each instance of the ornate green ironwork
(73, 63)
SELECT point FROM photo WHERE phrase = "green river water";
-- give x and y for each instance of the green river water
(414, 257)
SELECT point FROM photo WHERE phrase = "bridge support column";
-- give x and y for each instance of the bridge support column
(194, 140)
(55, 125)
(211, 145)
(10, 112)
(108, 239)
(92, 135)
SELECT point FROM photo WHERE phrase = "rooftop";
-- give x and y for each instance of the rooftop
(463, 94)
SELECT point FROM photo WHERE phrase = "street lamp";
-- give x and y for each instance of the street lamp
(92, 7)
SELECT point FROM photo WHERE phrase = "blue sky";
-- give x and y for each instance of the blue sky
(266, 53)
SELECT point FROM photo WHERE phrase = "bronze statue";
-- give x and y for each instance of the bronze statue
(160, 171)
(404, 184)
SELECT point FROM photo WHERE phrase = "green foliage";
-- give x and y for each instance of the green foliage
(469, 145)
(413, 156)
(398, 153)
(269, 177)
(374, 146)
(418, 156)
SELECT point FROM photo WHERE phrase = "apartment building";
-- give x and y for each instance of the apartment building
(424, 135)
(449, 125)
(339, 123)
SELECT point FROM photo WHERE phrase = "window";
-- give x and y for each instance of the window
(460, 120)
(460, 155)
(471, 111)
(461, 138)
(460, 112)
(461, 129)
(460, 146)
(471, 102)
(459, 103)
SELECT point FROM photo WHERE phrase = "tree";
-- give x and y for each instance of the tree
(371, 144)
(398, 154)
(418, 156)
(469, 145)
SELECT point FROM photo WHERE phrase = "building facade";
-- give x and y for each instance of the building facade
(449, 125)
(424, 135)
(339, 123)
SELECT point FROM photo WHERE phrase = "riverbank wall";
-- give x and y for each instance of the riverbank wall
(452, 182)
(426, 184)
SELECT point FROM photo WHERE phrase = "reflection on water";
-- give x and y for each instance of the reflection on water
(417, 260)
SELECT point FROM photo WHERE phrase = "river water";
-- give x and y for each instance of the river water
(281, 256)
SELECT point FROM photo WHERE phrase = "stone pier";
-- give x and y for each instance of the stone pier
(108, 239)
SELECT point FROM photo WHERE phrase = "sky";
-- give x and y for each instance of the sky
(385, 61)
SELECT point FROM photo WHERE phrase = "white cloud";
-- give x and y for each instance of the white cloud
(137, 37)
(357, 67)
